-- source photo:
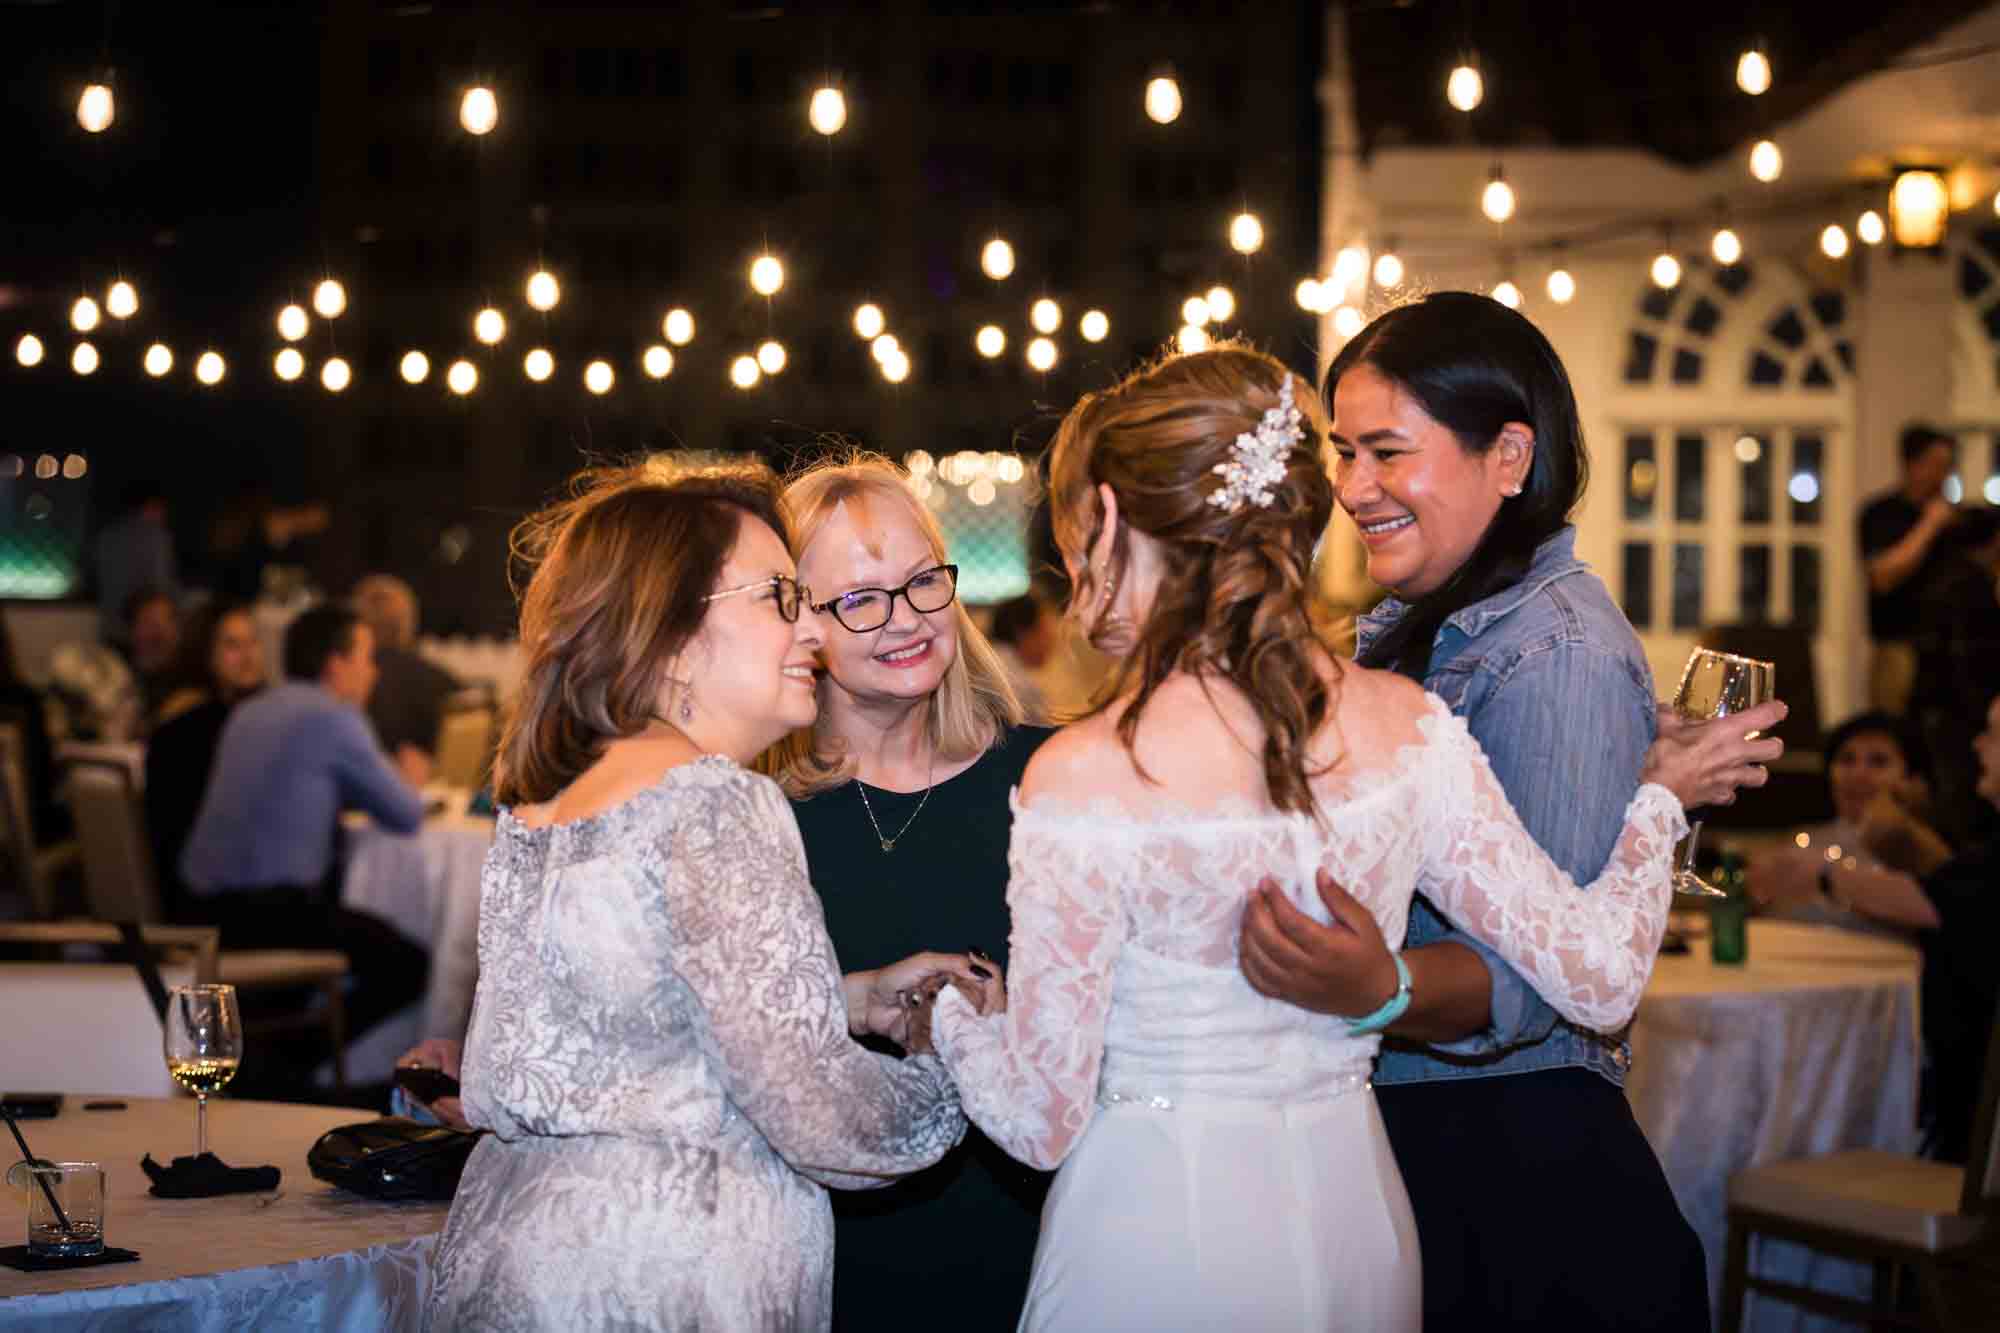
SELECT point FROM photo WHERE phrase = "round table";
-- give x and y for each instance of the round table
(305, 1256)
(1811, 1046)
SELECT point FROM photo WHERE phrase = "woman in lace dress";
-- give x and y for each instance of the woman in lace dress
(660, 1040)
(1222, 1161)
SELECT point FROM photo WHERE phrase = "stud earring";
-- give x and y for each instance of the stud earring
(1511, 491)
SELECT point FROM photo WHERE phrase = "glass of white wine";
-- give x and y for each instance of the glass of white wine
(203, 1045)
(1716, 684)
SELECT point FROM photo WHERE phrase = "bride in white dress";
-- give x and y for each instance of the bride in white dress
(1222, 1162)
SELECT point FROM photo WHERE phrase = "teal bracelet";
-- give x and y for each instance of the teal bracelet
(1392, 1008)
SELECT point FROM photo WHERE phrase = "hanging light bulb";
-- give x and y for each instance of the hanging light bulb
(462, 377)
(1221, 304)
(209, 368)
(1919, 208)
(1042, 355)
(678, 326)
(1246, 233)
(1870, 228)
(288, 364)
(598, 378)
(29, 350)
(896, 369)
(869, 321)
(1307, 294)
(83, 316)
(1192, 338)
(771, 356)
(996, 260)
(767, 275)
(538, 364)
(543, 290)
(1833, 241)
(159, 360)
(1753, 72)
(1347, 321)
(743, 372)
(1766, 162)
(415, 367)
(122, 301)
(827, 111)
(658, 362)
(884, 347)
(329, 298)
(1388, 270)
(1561, 286)
(479, 110)
(1507, 294)
(1666, 271)
(1726, 246)
(1045, 315)
(1163, 99)
(83, 359)
(991, 341)
(292, 323)
(489, 326)
(335, 375)
(1095, 326)
(1496, 201)
(1465, 90)
(1194, 312)
(1350, 267)
(95, 110)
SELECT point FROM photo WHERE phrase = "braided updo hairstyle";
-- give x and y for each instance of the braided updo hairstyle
(1235, 589)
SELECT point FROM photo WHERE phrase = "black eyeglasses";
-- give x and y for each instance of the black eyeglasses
(788, 593)
(867, 609)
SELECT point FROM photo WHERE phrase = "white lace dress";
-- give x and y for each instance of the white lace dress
(1222, 1162)
(659, 1045)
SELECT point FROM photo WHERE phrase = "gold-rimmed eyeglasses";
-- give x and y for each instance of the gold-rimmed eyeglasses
(788, 593)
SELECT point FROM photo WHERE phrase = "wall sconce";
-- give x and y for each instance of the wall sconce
(1919, 208)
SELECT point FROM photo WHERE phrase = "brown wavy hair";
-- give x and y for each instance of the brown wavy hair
(1235, 594)
(618, 572)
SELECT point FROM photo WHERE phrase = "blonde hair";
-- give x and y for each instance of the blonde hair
(388, 606)
(974, 704)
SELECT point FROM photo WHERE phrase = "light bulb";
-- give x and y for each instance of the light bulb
(1753, 72)
(896, 369)
(122, 301)
(1045, 315)
(1996, 203)
(1192, 338)
(209, 368)
(1496, 201)
(1748, 449)
(1307, 294)
(1919, 208)
(869, 321)
(1766, 162)
(657, 362)
(159, 360)
(1221, 304)
(1870, 228)
(678, 326)
(1388, 270)
(1833, 241)
(329, 298)
(1561, 285)
(83, 359)
(292, 323)
(884, 347)
(771, 356)
(1194, 311)
(462, 377)
(415, 367)
(827, 112)
(95, 110)
(1507, 294)
(83, 316)
(538, 364)
(598, 377)
(767, 275)
(28, 351)
(543, 290)
(489, 326)
(288, 364)
(1347, 321)
(1246, 234)
(335, 375)
(479, 110)
(1095, 326)
(1163, 100)
(1042, 355)
(1726, 246)
(1666, 271)
(996, 260)
(991, 341)
(1465, 90)
(1350, 266)
(743, 372)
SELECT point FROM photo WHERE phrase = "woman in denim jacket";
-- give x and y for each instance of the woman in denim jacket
(1539, 1205)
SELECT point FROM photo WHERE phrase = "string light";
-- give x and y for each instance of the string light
(767, 275)
(288, 364)
(598, 377)
(1507, 294)
(1388, 270)
(1753, 72)
(489, 326)
(1045, 315)
(461, 377)
(1193, 338)
(1561, 286)
(83, 359)
(1163, 99)
(329, 298)
(1666, 271)
(122, 301)
(415, 367)
(1246, 233)
(479, 110)
(771, 356)
(1870, 228)
(1194, 312)
(678, 326)
(28, 351)
(1350, 267)
(335, 375)
(1095, 326)
(83, 316)
(543, 290)
(1347, 321)
(1766, 162)
(1308, 295)
(743, 372)
(991, 341)
(1042, 355)
(95, 110)
(657, 362)
(996, 260)
(1496, 201)
(1221, 304)
(292, 323)
(869, 321)
(827, 111)
(538, 364)
(209, 368)
(1726, 246)
(1465, 90)
(1833, 241)
(884, 347)
(159, 360)
(896, 368)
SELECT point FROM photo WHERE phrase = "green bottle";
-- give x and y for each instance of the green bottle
(1729, 918)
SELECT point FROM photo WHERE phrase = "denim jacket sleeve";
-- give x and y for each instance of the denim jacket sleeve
(1566, 729)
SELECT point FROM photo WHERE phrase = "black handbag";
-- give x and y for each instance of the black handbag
(392, 1158)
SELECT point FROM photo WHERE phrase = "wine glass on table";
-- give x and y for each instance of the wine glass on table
(203, 1045)
(1716, 684)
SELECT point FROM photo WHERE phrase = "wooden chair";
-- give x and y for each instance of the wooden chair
(1893, 1211)
(196, 946)
(120, 884)
(37, 869)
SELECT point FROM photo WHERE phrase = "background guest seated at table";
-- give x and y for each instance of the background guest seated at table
(222, 663)
(1958, 666)
(408, 703)
(1953, 901)
(22, 706)
(153, 635)
(259, 862)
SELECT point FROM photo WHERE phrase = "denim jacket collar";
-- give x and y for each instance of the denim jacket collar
(1554, 559)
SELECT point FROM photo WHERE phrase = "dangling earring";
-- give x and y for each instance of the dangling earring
(1109, 583)
(687, 702)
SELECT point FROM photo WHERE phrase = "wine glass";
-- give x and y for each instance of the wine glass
(1716, 684)
(203, 1045)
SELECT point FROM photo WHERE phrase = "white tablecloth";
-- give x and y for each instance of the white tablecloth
(1810, 1047)
(309, 1256)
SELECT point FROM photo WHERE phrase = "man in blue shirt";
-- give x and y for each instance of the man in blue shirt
(259, 862)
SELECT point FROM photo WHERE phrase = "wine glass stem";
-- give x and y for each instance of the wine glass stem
(1694, 840)
(200, 1124)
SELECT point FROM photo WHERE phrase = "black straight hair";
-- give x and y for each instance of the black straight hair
(1474, 365)
(317, 636)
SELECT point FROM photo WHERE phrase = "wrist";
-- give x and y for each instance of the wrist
(1391, 1009)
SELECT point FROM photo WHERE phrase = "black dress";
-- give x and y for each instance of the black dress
(953, 1244)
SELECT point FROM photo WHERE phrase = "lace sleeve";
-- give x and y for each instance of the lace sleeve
(750, 942)
(1029, 1077)
(1588, 953)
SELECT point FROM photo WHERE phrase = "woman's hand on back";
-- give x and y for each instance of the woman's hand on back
(1705, 762)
